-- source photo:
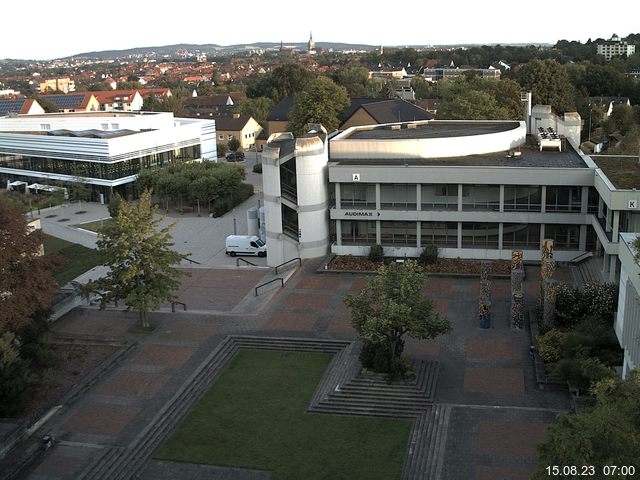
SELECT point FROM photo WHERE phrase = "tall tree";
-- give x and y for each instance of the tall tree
(606, 434)
(549, 84)
(142, 264)
(284, 81)
(259, 108)
(355, 79)
(26, 282)
(392, 305)
(321, 102)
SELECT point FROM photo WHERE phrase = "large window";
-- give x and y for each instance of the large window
(358, 195)
(479, 235)
(565, 237)
(521, 235)
(102, 170)
(522, 199)
(481, 197)
(398, 233)
(290, 222)
(593, 201)
(439, 197)
(441, 234)
(358, 232)
(288, 180)
(398, 196)
(563, 199)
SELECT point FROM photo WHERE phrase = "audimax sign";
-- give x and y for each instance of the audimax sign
(361, 213)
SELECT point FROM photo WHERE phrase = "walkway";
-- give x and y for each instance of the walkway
(495, 413)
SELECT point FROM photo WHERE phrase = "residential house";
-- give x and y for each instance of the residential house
(20, 106)
(75, 102)
(244, 128)
(367, 111)
(119, 100)
(607, 103)
(614, 47)
(213, 105)
(64, 85)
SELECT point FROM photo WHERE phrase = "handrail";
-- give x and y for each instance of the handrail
(173, 306)
(238, 260)
(267, 283)
(289, 261)
(581, 257)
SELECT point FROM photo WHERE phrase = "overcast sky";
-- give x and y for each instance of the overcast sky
(46, 30)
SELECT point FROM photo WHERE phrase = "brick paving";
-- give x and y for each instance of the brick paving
(498, 414)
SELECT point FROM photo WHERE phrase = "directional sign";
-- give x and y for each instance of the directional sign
(356, 177)
(633, 204)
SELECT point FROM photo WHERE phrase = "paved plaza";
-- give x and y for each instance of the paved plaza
(486, 376)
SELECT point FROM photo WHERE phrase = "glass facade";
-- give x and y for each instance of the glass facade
(522, 198)
(290, 222)
(565, 237)
(358, 195)
(398, 196)
(521, 235)
(101, 170)
(439, 197)
(563, 199)
(481, 197)
(480, 235)
(288, 180)
(401, 234)
(441, 234)
(358, 232)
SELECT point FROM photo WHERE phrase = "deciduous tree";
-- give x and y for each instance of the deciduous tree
(321, 102)
(549, 84)
(142, 265)
(392, 305)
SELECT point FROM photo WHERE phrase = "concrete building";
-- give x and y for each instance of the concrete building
(475, 189)
(64, 85)
(614, 47)
(105, 150)
(627, 321)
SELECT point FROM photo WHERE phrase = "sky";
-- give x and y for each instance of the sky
(49, 31)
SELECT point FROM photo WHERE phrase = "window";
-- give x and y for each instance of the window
(522, 198)
(563, 199)
(481, 197)
(398, 233)
(45, 127)
(479, 235)
(358, 195)
(439, 197)
(565, 237)
(230, 137)
(358, 232)
(521, 235)
(398, 196)
(441, 234)
(220, 137)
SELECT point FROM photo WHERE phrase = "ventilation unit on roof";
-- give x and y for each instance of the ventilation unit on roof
(394, 127)
(412, 126)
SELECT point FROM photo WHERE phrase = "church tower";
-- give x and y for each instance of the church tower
(311, 45)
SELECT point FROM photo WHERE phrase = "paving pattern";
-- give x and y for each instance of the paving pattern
(487, 413)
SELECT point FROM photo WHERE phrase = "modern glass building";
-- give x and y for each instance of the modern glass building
(103, 150)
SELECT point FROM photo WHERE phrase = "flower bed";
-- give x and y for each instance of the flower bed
(442, 265)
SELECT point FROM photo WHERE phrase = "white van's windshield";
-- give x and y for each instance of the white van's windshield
(260, 243)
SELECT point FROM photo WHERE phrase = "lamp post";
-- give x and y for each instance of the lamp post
(589, 121)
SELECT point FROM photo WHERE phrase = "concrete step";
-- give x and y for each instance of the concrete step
(357, 392)
(364, 411)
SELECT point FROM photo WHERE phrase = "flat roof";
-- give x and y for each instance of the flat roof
(431, 129)
(90, 114)
(623, 171)
(530, 157)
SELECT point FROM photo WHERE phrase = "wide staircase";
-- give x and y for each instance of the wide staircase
(589, 270)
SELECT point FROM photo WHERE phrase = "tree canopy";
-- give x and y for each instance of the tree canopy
(284, 81)
(606, 434)
(258, 108)
(473, 98)
(142, 264)
(322, 101)
(392, 305)
(549, 84)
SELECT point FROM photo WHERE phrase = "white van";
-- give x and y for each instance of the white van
(245, 245)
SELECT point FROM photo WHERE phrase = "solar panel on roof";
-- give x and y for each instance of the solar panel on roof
(67, 101)
(11, 106)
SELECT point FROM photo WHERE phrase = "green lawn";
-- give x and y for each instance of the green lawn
(94, 226)
(78, 259)
(254, 417)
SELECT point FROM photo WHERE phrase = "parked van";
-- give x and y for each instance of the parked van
(245, 245)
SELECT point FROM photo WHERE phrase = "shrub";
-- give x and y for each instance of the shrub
(114, 205)
(375, 356)
(429, 255)
(550, 344)
(257, 168)
(573, 304)
(16, 379)
(376, 253)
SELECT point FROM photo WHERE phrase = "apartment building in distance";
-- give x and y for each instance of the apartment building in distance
(614, 47)
(105, 150)
(64, 85)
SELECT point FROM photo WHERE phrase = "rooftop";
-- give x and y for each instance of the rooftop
(530, 157)
(435, 129)
(622, 171)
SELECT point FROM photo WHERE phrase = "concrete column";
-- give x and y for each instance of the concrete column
(541, 233)
(583, 238)
(608, 221)
(459, 197)
(613, 268)
(600, 205)
(584, 201)
(616, 225)
(418, 236)
(418, 197)
(501, 198)
(338, 232)
(459, 235)
(500, 232)
(543, 198)
(378, 197)
(378, 232)
(605, 262)
(338, 196)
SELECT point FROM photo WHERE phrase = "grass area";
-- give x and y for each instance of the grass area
(78, 259)
(254, 417)
(624, 172)
(94, 226)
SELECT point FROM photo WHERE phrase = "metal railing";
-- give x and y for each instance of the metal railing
(184, 257)
(238, 260)
(269, 282)
(297, 259)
